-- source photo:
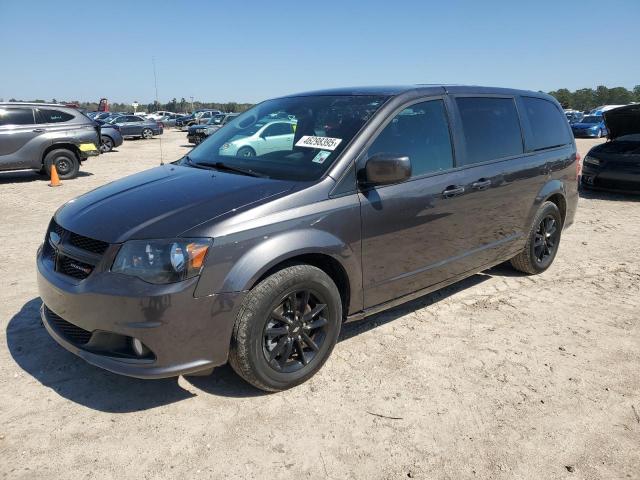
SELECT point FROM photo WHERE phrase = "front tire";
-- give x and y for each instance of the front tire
(66, 162)
(246, 152)
(599, 134)
(542, 243)
(286, 328)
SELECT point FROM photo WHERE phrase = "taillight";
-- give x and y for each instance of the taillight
(578, 165)
(160, 125)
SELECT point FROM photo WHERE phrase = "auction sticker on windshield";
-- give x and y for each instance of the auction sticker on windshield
(324, 143)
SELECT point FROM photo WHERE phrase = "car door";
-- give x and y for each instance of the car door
(17, 130)
(276, 137)
(125, 125)
(432, 227)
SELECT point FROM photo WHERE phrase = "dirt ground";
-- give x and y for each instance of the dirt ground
(501, 376)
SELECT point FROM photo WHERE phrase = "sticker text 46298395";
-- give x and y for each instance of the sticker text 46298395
(324, 143)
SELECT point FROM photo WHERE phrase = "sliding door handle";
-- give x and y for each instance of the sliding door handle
(481, 184)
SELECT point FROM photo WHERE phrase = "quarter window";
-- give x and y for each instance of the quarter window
(548, 126)
(16, 116)
(46, 115)
(420, 132)
(491, 128)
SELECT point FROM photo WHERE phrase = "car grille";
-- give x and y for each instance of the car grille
(66, 264)
(73, 268)
(71, 332)
(89, 244)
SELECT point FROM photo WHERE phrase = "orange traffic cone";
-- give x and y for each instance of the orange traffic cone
(55, 180)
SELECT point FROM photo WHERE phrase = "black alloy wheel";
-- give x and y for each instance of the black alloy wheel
(286, 327)
(543, 241)
(295, 331)
(546, 239)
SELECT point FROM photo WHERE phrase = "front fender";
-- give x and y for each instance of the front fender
(280, 247)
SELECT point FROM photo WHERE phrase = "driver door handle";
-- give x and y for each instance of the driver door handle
(453, 191)
(38, 130)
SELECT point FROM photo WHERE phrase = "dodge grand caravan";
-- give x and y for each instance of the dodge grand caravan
(378, 196)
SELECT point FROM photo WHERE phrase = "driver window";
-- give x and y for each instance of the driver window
(420, 132)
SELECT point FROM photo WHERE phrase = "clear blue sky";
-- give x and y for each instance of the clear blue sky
(250, 50)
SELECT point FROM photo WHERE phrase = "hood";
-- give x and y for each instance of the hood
(193, 128)
(623, 121)
(163, 202)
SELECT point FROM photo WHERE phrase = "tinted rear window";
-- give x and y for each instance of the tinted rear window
(46, 115)
(491, 128)
(16, 116)
(548, 126)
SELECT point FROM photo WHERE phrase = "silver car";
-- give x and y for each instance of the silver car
(261, 138)
(37, 136)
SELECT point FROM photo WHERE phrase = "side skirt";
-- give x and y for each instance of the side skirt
(425, 291)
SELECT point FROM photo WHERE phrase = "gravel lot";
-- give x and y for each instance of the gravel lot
(501, 376)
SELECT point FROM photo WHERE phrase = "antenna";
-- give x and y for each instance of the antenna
(155, 83)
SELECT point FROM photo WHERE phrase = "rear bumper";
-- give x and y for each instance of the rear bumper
(184, 334)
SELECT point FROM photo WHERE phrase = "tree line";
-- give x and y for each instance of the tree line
(583, 99)
(175, 105)
(588, 98)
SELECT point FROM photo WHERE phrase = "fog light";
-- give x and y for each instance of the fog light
(138, 347)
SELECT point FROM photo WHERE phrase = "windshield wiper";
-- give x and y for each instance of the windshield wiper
(224, 166)
(232, 168)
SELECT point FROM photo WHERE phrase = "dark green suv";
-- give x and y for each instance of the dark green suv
(37, 136)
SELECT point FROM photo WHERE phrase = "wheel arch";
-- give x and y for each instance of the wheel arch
(61, 146)
(313, 247)
(553, 191)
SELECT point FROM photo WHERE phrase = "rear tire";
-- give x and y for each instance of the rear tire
(286, 328)
(599, 135)
(147, 133)
(543, 241)
(66, 162)
(106, 144)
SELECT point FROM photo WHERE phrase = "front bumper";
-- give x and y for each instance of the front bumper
(184, 334)
(586, 133)
(621, 178)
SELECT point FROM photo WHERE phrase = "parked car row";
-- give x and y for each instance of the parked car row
(197, 133)
(117, 126)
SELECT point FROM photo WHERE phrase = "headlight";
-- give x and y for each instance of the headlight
(225, 146)
(591, 161)
(162, 261)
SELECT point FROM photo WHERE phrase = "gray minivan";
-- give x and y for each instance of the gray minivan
(38, 135)
(370, 198)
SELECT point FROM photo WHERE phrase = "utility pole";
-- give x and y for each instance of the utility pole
(191, 104)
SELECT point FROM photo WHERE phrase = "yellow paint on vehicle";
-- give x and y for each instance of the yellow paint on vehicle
(87, 147)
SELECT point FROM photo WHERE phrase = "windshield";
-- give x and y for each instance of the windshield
(592, 119)
(294, 138)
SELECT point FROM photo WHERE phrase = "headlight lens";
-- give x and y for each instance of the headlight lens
(162, 261)
(591, 161)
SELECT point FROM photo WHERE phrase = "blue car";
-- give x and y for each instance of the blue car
(590, 126)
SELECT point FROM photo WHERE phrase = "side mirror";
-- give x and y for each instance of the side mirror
(385, 169)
